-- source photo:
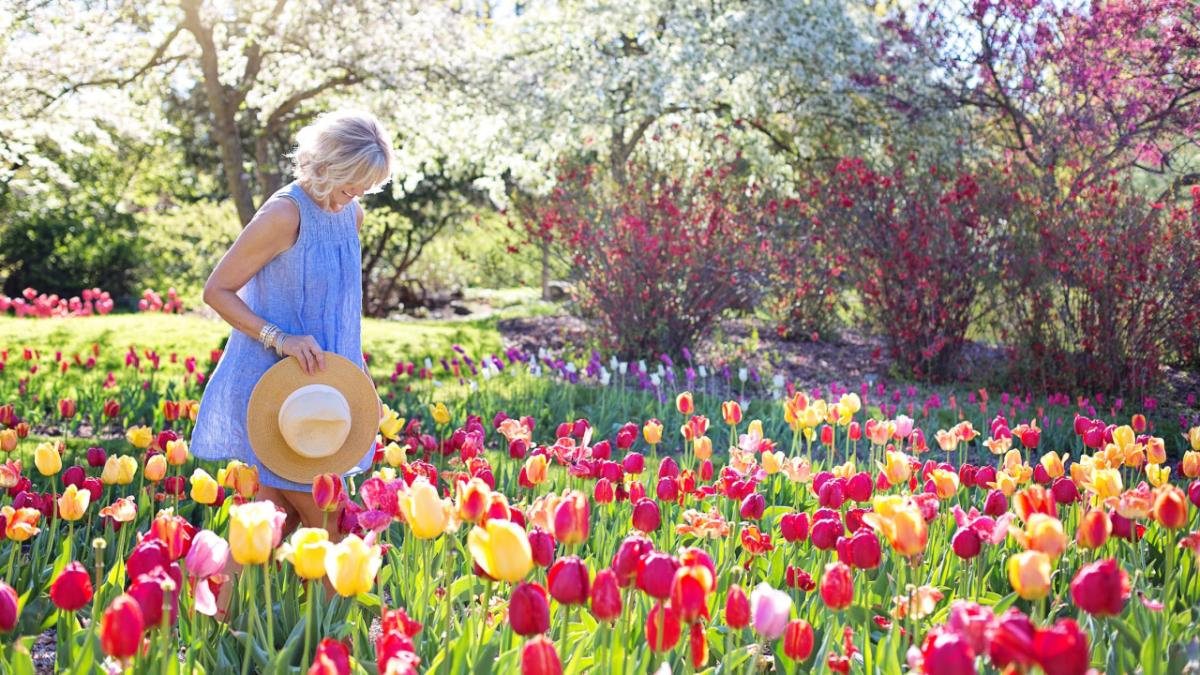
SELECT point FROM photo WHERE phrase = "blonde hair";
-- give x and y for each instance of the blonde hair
(340, 148)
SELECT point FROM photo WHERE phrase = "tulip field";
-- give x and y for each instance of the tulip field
(538, 514)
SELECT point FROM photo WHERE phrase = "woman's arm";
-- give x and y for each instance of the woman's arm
(272, 231)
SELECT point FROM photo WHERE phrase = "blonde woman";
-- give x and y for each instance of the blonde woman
(291, 286)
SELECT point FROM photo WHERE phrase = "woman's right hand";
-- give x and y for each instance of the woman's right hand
(307, 352)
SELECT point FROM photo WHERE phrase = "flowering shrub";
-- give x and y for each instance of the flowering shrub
(151, 301)
(659, 259)
(914, 245)
(1100, 288)
(42, 306)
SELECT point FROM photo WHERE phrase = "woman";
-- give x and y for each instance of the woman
(291, 286)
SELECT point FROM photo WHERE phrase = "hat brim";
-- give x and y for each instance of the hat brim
(262, 417)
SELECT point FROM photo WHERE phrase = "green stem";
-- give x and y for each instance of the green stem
(270, 609)
(308, 623)
(246, 571)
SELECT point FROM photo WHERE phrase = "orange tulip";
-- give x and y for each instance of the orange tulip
(732, 412)
(1029, 574)
(684, 403)
(1170, 507)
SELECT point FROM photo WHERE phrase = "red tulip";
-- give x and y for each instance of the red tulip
(634, 462)
(1126, 528)
(837, 586)
(646, 516)
(74, 475)
(72, 588)
(794, 527)
(663, 629)
(121, 627)
(798, 640)
(753, 506)
(825, 533)
(111, 409)
(1094, 529)
(832, 493)
(606, 596)
(1101, 588)
(96, 457)
(656, 573)
(737, 608)
(996, 504)
(9, 608)
(529, 609)
(966, 543)
(327, 491)
(539, 657)
(603, 491)
(1064, 490)
(541, 545)
(332, 658)
(67, 408)
(568, 581)
(1194, 492)
(697, 646)
(706, 470)
(628, 558)
(945, 651)
(149, 591)
(627, 436)
(1170, 507)
(859, 487)
(667, 489)
(1063, 649)
(148, 555)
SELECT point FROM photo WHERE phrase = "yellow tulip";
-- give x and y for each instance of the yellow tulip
(1029, 574)
(1156, 450)
(501, 549)
(535, 469)
(1044, 533)
(141, 437)
(850, 403)
(897, 470)
(1124, 437)
(156, 468)
(8, 440)
(1158, 474)
(844, 471)
(239, 477)
(307, 550)
(755, 428)
(73, 503)
(1191, 463)
(177, 452)
(945, 483)
(253, 528)
(440, 414)
(772, 462)
(394, 455)
(47, 460)
(391, 425)
(702, 448)
(119, 470)
(1004, 483)
(424, 511)
(1193, 438)
(652, 431)
(900, 522)
(1105, 483)
(1053, 464)
(204, 487)
(20, 524)
(352, 565)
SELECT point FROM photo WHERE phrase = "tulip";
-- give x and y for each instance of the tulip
(204, 487)
(901, 523)
(10, 608)
(825, 533)
(8, 440)
(208, 555)
(426, 513)
(539, 657)
(440, 414)
(1094, 529)
(862, 550)
(753, 506)
(307, 550)
(121, 628)
(332, 658)
(798, 640)
(72, 588)
(567, 581)
(529, 609)
(502, 549)
(689, 591)
(731, 411)
(737, 608)
(47, 459)
(837, 586)
(1010, 642)
(1045, 533)
(771, 610)
(140, 437)
(156, 468)
(96, 457)
(351, 565)
(966, 543)
(646, 516)
(1029, 574)
(897, 469)
(240, 478)
(119, 470)
(656, 573)
(73, 503)
(1170, 507)
(541, 547)
(571, 518)
(327, 491)
(606, 596)
(945, 483)
(945, 651)
(684, 403)
(20, 524)
(1062, 648)
(663, 628)
(794, 527)
(1101, 588)
(627, 561)
(254, 530)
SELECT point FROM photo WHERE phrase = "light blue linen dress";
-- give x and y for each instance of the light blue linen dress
(313, 288)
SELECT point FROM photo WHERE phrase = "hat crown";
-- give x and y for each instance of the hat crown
(314, 420)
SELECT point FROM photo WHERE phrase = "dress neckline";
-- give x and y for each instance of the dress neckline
(318, 206)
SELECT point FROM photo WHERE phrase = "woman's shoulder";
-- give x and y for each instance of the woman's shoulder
(277, 221)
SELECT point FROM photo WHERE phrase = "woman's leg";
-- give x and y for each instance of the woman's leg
(232, 569)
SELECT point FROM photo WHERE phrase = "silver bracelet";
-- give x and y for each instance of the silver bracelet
(268, 334)
(278, 343)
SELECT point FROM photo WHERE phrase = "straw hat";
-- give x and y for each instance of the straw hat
(301, 425)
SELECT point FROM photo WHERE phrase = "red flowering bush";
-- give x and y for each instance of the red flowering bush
(660, 258)
(1100, 287)
(912, 242)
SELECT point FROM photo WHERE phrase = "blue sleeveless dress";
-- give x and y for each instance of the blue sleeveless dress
(313, 288)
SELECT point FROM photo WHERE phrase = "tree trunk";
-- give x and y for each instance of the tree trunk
(545, 269)
(224, 114)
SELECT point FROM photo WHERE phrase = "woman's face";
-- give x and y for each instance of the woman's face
(344, 194)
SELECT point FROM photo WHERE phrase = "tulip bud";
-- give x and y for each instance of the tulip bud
(689, 591)
(753, 506)
(529, 609)
(771, 610)
(837, 586)
(10, 609)
(633, 463)
(737, 608)
(72, 588)
(568, 581)
(656, 573)
(539, 657)
(1170, 507)
(684, 403)
(628, 558)
(121, 628)
(96, 457)
(996, 504)
(667, 489)
(1101, 588)
(794, 527)
(825, 533)
(1029, 574)
(67, 408)
(603, 492)
(572, 518)
(798, 640)
(541, 546)
(606, 596)
(646, 516)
